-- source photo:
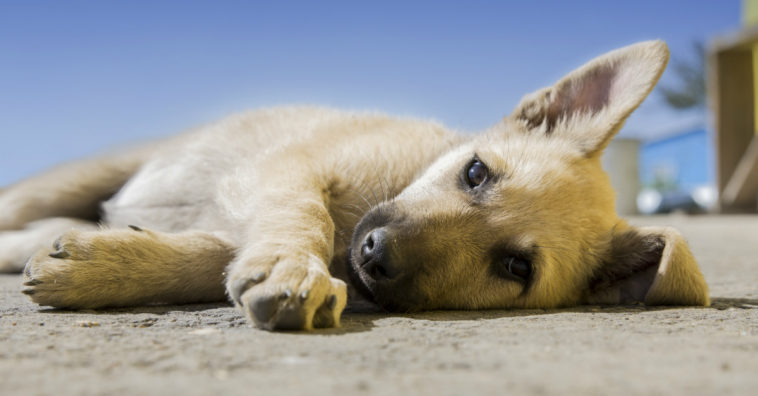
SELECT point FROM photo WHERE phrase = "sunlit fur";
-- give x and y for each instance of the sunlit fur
(265, 204)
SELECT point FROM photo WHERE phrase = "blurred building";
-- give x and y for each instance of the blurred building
(733, 100)
(621, 162)
(683, 161)
(677, 173)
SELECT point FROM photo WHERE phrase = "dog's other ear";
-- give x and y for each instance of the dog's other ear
(651, 265)
(590, 104)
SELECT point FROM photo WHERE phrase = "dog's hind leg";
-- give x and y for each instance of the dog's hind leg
(128, 267)
(73, 190)
(18, 245)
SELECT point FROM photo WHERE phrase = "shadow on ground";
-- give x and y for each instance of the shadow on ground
(361, 318)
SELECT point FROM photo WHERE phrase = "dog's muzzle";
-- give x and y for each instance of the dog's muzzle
(378, 261)
(370, 262)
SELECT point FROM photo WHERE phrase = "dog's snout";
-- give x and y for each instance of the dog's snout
(375, 257)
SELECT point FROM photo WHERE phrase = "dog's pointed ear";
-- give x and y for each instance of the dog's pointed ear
(651, 265)
(590, 104)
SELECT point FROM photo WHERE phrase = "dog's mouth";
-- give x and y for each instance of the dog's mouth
(359, 279)
(369, 289)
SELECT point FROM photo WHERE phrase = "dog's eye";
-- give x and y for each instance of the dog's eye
(514, 268)
(476, 174)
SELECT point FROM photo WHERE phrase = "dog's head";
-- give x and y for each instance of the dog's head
(523, 215)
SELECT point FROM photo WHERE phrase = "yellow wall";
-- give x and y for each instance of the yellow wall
(749, 12)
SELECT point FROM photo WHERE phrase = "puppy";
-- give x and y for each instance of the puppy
(277, 209)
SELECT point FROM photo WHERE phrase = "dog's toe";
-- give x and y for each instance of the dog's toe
(326, 316)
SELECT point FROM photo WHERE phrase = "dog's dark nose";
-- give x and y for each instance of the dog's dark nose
(375, 255)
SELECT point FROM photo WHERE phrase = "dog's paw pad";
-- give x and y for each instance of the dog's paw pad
(278, 312)
(283, 311)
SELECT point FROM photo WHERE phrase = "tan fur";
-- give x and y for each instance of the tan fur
(678, 279)
(129, 267)
(275, 197)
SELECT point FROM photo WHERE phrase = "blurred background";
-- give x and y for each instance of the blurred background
(80, 77)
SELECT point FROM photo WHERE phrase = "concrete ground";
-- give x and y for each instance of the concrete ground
(210, 349)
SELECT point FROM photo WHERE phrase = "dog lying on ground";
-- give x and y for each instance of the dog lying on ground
(277, 209)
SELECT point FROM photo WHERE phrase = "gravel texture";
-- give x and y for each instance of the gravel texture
(210, 349)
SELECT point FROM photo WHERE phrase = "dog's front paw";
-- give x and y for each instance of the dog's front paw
(288, 294)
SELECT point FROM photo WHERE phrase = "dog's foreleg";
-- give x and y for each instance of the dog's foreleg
(93, 269)
(280, 279)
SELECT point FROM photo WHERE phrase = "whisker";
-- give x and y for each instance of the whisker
(376, 200)
(355, 209)
(364, 200)
(341, 235)
(384, 190)
(347, 212)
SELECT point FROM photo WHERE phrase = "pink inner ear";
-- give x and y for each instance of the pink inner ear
(588, 94)
(590, 104)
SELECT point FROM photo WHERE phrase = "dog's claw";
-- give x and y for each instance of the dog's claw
(28, 292)
(259, 277)
(135, 228)
(286, 294)
(32, 282)
(59, 254)
(304, 295)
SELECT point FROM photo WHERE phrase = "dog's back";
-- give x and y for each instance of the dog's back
(187, 181)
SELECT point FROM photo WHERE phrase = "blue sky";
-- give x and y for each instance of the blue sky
(79, 77)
